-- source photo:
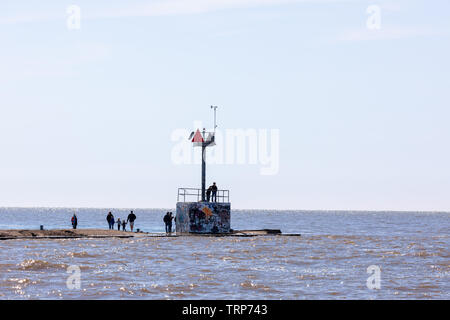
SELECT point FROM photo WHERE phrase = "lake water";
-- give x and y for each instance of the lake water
(329, 260)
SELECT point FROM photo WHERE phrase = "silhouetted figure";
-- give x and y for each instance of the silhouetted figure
(166, 221)
(119, 223)
(110, 219)
(170, 222)
(214, 192)
(74, 221)
(208, 193)
(124, 223)
(131, 218)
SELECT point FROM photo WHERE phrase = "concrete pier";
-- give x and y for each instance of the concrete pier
(65, 234)
(109, 234)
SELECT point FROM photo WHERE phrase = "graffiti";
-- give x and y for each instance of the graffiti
(201, 217)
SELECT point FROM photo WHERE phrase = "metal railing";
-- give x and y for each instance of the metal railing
(195, 194)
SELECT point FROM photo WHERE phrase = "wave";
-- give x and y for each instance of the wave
(31, 264)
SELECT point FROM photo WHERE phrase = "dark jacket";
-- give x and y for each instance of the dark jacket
(131, 217)
(166, 218)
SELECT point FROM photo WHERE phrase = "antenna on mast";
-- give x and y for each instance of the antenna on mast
(215, 111)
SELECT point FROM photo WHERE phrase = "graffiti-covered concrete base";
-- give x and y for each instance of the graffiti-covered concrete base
(203, 217)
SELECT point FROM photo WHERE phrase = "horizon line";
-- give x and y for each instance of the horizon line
(239, 209)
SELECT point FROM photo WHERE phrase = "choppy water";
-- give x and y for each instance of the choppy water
(329, 261)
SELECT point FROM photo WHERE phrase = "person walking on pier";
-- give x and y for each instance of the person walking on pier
(131, 218)
(74, 221)
(124, 223)
(119, 223)
(214, 192)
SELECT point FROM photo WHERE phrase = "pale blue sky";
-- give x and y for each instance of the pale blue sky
(86, 115)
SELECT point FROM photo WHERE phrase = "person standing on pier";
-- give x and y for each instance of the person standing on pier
(214, 192)
(119, 223)
(208, 193)
(170, 222)
(166, 221)
(131, 218)
(110, 219)
(74, 221)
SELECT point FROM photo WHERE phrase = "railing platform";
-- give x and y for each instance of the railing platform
(195, 195)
